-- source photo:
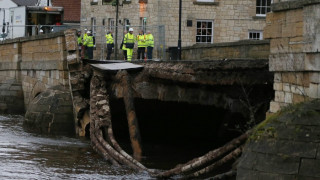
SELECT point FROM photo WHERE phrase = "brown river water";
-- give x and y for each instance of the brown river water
(26, 155)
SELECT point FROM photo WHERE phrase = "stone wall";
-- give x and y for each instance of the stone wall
(11, 94)
(248, 49)
(38, 62)
(293, 29)
(34, 77)
(231, 19)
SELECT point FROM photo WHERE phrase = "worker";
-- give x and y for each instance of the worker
(128, 41)
(89, 44)
(141, 38)
(150, 44)
(85, 35)
(79, 41)
(110, 45)
(83, 47)
(123, 47)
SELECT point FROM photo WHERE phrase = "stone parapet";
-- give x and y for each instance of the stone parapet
(247, 49)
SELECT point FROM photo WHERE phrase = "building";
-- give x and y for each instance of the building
(203, 21)
(71, 11)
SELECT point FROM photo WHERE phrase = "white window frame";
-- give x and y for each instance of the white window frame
(126, 24)
(255, 32)
(143, 24)
(93, 26)
(111, 24)
(263, 7)
(204, 30)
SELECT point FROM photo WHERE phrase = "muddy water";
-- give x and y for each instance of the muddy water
(30, 156)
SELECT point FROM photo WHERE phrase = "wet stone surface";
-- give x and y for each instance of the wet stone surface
(285, 146)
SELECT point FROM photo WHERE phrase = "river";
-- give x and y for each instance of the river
(26, 155)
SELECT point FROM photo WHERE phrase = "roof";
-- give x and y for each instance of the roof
(72, 9)
(25, 2)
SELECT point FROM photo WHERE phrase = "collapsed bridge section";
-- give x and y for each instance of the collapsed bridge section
(183, 101)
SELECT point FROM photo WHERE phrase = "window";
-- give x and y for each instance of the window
(93, 26)
(94, 2)
(104, 2)
(204, 31)
(263, 7)
(126, 24)
(111, 24)
(256, 35)
(143, 24)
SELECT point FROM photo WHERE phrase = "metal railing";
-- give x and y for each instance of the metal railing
(98, 32)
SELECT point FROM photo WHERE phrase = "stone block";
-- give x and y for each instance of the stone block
(312, 61)
(286, 87)
(314, 77)
(296, 47)
(298, 98)
(279, 96)
(289, 77)
(288, 97)
(295, 149)
(247, 174)
(248, 159)
(300, 90)
(277, 86)
(287, 62)
(310, 167)
(313, 91)
(277, 164)
(268, 176)
(277, 77)
(274, 107)
(279, 45)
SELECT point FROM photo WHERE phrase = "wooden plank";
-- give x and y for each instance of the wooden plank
(117, 66)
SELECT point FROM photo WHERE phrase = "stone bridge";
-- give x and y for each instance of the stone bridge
(172, 101)
(50, 63)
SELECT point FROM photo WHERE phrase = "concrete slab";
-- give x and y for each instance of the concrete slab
(117, 66)
(91, 61)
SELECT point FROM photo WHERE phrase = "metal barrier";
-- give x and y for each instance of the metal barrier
(98, 32)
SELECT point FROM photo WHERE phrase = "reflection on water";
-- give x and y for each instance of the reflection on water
(29, 156)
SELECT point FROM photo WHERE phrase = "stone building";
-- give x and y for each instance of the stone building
(203, 21)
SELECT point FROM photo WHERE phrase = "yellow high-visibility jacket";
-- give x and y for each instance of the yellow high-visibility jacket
(84, 38)
(89, 41)
(79, 40)
(141, 40)
(129, 38)
(109, 39)
(150, 40)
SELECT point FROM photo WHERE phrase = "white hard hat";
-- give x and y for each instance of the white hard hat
(131, 29)
(85, 29)
(88, 32)
(41, 30)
